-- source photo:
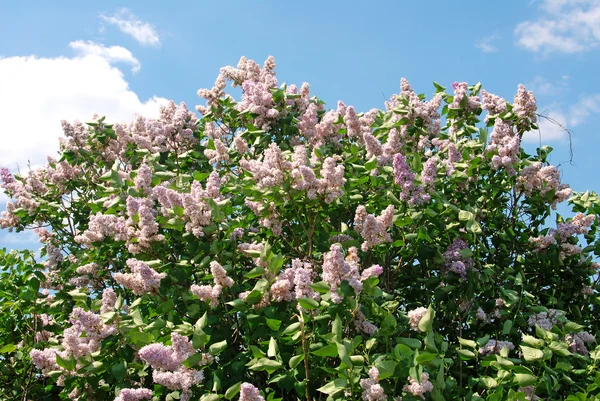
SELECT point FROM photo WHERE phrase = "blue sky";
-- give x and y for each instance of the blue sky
(71, 59)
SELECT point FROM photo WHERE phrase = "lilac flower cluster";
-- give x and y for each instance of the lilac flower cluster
(505, 146)
(494, 105)
(525, 104)
(372, 390)
(330, 185)
(415, 316)
(537, 178)
(137, 394)
(373, 229)
(294, 283)
(209, 293)
(167, 364)
(454, 261)
(364, 325)
(336, 269)
(74, 343)
(578, 225)
(141, 210)
(545, 319)
(143, 180)
(196, 210)
(142, 279)
(102, 226)
(419, 388)
(271, 170)
(249, 393)
(494, 347)
(461, 94)
(577, 342)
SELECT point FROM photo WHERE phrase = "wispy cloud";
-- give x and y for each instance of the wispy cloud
(552, 129)
(486, 45)
(566, 26)
(112, 54)
(143, 32)
(542, 86)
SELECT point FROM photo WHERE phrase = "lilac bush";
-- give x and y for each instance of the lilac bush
(271, 249)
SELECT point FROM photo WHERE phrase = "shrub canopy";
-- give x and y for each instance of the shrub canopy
(273, 250)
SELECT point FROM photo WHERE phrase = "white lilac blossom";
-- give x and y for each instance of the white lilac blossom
(142, 279)
(419, 388)
(371, 389)
(415, 316)
(373, 229)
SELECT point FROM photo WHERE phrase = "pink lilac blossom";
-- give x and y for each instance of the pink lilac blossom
(207, 293)
(419, 388)
(494, 105)
(219, 154)
(164, 357)
(131, 394)
(196, 211)
(142, 279)
(461, 94)
(415, 316)
(360, 323)
(182, 379)
(373, 229)
(537, 178)
(109, 299)
(74, 343)
(143, 180)
(337, 269)
(271, 170)
(494, 347)
(504, 146)
(220, 275)
(245, 246)
(529, 393)
(240, 145)
(294, 283)
(577, 342)
(249, 393)
(101, 227)
(525, 105)
(145, 230)
(372, 390)
(45, 359)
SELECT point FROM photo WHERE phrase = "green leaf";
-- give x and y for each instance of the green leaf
(559, 348)
(488, 382)
(465, 354)
(328, 350)
(426, 322)
(8, 348)
(334, 386)
(507, 327)
(265, 364)
(467, 343)
(410, 342)
(291, 329)
(217, 348)
(525, 379)
(425, 358)
(274, 324)
(66, 363)
(210, 397)
(233, 390)
(118, 370)
(336, 328)
(320, 287)
(296, 359)
(573, 327)
(531, 354)
(272, 351)
(308, 303)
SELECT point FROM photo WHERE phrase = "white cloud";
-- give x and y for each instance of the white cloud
(37, 93)
(552, 129)
(567, 26)
(542, 86)
(128, 23)
(485, 44)
(113, 54)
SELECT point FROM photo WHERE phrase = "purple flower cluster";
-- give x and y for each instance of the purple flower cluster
(373, 229)
(145, 231)
(525, 104)
(577, 342)
(505, 146)
(249, 393)
(546, 320)
(415, 316)
(271, 170)
(461, 94)
(166, 362)
(208, 293)
(142, 279)
(304, 178)
(294, 283)
(131, 394)
(537, 178)
(454, 261)
(494, 105)
(494, 347)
